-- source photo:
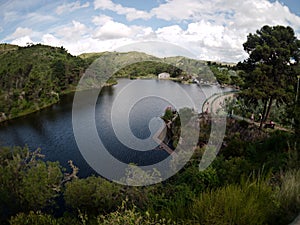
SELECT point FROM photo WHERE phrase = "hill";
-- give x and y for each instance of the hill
(35, 76)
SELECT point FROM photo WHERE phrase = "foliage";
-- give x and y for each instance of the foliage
(288, 197)
(146, 68)
(32, 191)
(251, 202)
(171, 201)
(93, 194)
(130, 217)
(33, 218)
(270, 69)
(27, 183)
(35, 76)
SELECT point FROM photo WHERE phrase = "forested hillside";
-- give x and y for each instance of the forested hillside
(34, 77)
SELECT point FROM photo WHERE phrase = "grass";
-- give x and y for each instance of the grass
(245, 204)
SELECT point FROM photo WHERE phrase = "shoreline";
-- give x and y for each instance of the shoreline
(26, 113)
(73, 90)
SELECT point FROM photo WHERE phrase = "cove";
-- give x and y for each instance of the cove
(51, 129)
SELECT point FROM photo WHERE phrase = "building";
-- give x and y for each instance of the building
(163, 76)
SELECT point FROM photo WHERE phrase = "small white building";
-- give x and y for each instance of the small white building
(164, 76)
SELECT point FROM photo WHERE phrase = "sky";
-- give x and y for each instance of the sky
(210, 30)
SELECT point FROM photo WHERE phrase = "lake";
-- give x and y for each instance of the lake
(51, 129)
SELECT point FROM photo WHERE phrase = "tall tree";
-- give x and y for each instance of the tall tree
(270, 75)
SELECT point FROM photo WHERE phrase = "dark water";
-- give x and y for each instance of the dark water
(51, 129)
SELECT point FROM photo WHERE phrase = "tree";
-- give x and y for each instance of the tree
(269, 71)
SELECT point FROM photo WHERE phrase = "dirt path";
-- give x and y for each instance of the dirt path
(215, 105)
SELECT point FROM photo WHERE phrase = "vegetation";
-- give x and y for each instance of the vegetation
(255, 179)
(250, 182)
(270, 71)
(34, 77)
(226, 74)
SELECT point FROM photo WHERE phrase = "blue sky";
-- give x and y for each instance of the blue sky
(210, 30)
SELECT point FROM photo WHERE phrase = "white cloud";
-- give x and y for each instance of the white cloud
(249, 14)
(113, 30)
(74, 32)
(217, 29)
(172, 33)
(130, 13)
(20, 32)
(213, 30)
(70, 7)
(49, 39)
(101, 20)
(180, 10)
(104, 4)
(22, 41)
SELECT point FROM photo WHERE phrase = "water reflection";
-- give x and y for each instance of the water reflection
(51, 128)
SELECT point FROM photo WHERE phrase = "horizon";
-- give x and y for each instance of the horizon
(125, 52)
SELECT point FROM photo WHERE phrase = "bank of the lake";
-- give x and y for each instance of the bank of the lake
(51, 128)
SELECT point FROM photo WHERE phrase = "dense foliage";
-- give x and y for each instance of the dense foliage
(270, 73)
(250, 182)
(34, 77)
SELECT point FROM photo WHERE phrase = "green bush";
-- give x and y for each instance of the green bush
(288, 197)
(250, 203)
(93, 195)
(33, 218)
(127, 216)
(231, 170)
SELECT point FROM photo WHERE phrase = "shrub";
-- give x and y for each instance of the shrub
(289, 197)
(33, 218)
(127, 216)
(245, 204)
(93, 195)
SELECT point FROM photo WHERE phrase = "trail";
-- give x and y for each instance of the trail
(215, 105)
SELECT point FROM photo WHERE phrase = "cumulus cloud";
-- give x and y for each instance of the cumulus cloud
(22, 41)
(107, 28)
(113, 30)
(249, 14)
(20, 32)
(130, 13)
(206, 40)
(70, 7)
(49, 39)
(75, 31)
(212, 30)
(217, 29)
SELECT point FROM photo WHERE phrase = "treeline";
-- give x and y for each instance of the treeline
(35, 76)
(149, 69)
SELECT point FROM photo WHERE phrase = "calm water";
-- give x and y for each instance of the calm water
(51, 129)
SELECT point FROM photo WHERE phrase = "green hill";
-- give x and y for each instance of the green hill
(34, 77)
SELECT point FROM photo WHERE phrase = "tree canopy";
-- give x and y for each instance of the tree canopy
(270, 71)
